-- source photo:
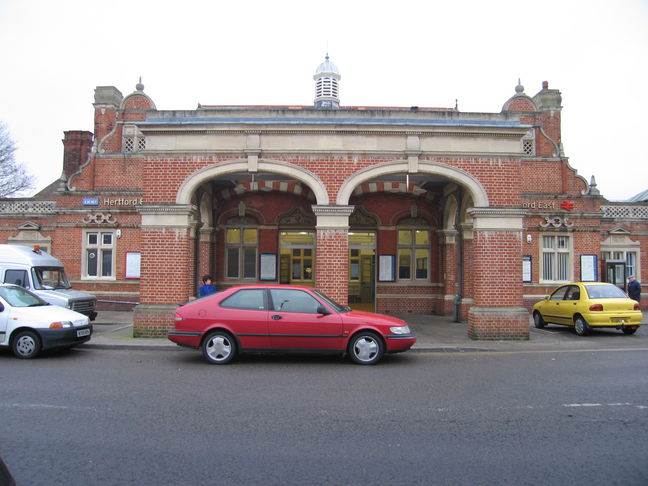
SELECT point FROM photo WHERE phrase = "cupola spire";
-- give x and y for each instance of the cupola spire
(326, 78)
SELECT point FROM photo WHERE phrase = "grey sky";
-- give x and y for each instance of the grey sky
(424, 53)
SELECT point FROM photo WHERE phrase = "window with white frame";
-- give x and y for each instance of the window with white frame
(413, 254)
(556, 258)
(241, 252)
(99, 254)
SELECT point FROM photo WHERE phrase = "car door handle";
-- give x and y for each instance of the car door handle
(276, 317)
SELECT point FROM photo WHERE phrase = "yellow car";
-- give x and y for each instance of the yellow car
(586, 305)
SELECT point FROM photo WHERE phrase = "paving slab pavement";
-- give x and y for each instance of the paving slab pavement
(114, 329)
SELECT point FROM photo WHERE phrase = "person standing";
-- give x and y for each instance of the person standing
(634, 289)
(207, 287)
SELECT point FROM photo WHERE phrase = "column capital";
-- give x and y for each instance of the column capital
(497, 219)
(168, 216)
(333, 216)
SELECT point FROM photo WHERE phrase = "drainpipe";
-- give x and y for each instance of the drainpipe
(460, 252)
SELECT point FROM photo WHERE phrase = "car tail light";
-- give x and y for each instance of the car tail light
(596, 307)
(177, 317)
(637, 306)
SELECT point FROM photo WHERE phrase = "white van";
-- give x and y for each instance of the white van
(29, 325)
(44, 275)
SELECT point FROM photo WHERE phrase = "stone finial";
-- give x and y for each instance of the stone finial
(592, 187)
(519, 89)
(139, 86)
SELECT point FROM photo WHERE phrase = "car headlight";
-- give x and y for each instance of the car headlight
(400, 330)
(60, 325)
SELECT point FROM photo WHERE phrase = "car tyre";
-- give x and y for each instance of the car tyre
(366, 348)
(26, 345)
(538, 321)
(219, 347)
(629, 329)
(581, 326)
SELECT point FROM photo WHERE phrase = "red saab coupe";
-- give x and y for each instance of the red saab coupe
(282, 318)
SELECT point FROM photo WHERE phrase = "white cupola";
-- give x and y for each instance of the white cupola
(327, 95)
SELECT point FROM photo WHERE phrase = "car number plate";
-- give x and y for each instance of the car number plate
(83, 332)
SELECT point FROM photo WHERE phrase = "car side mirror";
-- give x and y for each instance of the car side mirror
(323, 310)
(1, 308)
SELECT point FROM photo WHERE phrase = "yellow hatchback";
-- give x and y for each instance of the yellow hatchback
(586, 305)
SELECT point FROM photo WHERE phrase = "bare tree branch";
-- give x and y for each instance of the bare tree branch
(14, 177)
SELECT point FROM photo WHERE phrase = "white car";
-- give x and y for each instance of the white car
(29, 325)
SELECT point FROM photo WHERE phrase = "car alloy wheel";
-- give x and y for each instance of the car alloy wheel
(581, 326)
(538, 321)
(26, 345)
(219, 348)
(366, 348)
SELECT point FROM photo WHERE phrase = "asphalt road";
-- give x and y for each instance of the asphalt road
(120, 417)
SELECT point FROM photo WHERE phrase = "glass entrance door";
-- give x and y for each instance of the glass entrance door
(297, 257)
(362, 270)
(615, 272)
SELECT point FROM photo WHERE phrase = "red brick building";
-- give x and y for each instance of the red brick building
(401, 210)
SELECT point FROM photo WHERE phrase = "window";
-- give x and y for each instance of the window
(17, 277)
(249, 299)
(241, 252)
(293, 301)
(413, 254)
(99, 254)
(556, 258)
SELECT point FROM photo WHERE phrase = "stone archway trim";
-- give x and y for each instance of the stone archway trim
(477, 191)
(191, 183)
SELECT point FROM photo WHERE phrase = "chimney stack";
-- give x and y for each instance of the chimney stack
(76, 147)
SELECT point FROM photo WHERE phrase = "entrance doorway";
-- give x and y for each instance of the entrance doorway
(362, 270)
(615, 272)
(297, 257)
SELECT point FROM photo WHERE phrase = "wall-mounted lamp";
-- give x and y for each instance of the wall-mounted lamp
(529, 238)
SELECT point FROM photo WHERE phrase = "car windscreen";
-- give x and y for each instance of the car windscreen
(605, 292)
(50, 278)
(337, 307)
(19, 297)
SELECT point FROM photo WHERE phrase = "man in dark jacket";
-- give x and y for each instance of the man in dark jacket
(634, 289)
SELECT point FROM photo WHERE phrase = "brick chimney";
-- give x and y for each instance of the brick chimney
(76, 147)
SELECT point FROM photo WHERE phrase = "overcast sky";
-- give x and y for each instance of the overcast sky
(424, 53)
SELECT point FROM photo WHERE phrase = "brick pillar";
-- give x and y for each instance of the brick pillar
(468, 280)
(498, 312)
(332, 252)
(449, 275)
(167, 272)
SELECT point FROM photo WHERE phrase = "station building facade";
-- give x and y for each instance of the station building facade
(397, 210)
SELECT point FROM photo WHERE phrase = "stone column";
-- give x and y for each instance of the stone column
(332, 251)
(497, 312)
(167, 271)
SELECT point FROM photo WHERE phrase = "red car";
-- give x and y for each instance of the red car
(285, 318)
